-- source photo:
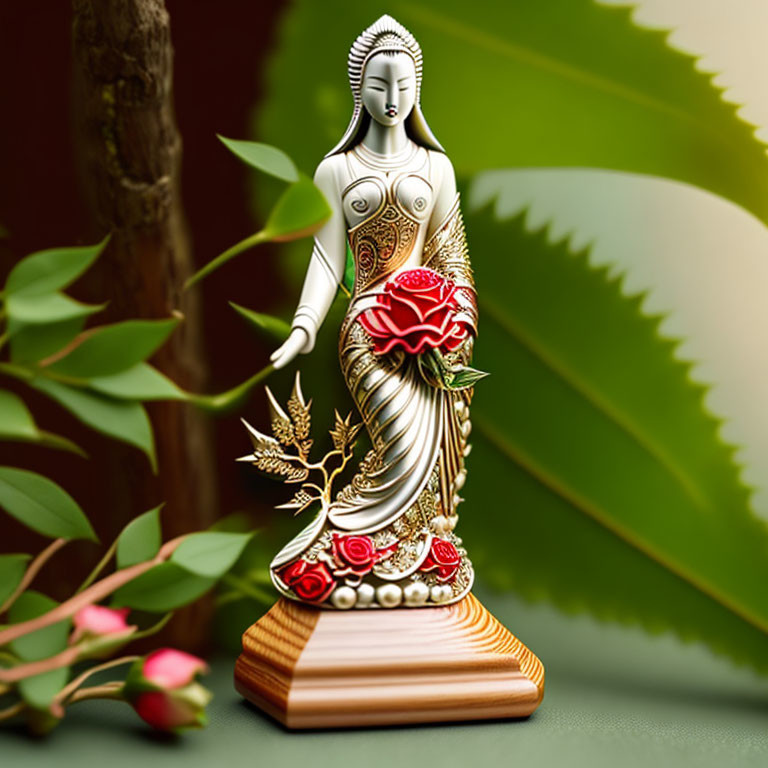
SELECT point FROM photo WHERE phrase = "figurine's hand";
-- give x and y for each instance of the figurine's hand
(290, 348)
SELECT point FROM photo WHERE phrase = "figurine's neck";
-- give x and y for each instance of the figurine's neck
(385, 139)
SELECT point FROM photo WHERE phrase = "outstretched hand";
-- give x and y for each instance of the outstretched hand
(290, 348)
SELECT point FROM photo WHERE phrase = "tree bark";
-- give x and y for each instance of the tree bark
(130, 159)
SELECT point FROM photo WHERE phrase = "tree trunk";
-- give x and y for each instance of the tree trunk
(130, 153)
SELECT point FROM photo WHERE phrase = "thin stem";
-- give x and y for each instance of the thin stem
(13, 710)
(63, 695)
(93, 594)
(246, 589)
(33, 569)
(99, 568)
(107, 691)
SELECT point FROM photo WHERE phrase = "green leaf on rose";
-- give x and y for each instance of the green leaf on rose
(263, 157)
(140, 540)
(163, 588)
(110, 349)
(39, 690)
(210, 553)
(42, 505)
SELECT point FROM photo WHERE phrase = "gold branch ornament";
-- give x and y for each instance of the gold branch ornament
(285, 453)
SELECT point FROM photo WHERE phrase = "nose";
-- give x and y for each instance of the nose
(392, 104)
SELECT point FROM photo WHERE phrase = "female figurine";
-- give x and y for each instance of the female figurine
(388, 539)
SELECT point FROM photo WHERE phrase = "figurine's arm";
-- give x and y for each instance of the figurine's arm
(325, 271)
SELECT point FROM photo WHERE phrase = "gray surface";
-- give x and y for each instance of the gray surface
(614, 697)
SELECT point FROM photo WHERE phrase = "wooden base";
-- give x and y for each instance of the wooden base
(311, 668)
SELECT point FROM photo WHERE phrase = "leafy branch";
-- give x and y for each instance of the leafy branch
(273, 456)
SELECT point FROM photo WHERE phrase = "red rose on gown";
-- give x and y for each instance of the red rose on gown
(310, 581)
(416, 311)
(444, 558)
(356, 555)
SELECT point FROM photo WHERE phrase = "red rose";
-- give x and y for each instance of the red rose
(444, 558)
(357, 554)
(416, 311)
(310, 581)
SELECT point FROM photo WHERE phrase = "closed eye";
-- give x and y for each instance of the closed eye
(375, 88)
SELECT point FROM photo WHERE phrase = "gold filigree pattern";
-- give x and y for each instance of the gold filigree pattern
(381, 245)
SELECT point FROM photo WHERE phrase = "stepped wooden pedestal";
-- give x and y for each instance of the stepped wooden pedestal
(312, 668)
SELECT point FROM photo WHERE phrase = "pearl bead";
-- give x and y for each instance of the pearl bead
(416, 593)
(440, 593)
(344, 597)
(365, 594)
(389, 595)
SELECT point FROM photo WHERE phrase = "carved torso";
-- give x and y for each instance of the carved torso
(387, 207)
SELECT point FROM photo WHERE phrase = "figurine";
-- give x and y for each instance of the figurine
(385, 544)
(388, 539)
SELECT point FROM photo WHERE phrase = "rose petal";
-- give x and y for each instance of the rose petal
(100, 620)
(168, 668)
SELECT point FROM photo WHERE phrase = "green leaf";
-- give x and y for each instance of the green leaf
(16, 423)
(42, 505)
(41, 309)
(15, 419)
(114, 348)
(210, 553)
(48, 271)
(122, 419)
(38, 691)
(232, 397)
(566, 83)
(32, 343)
(272, 327)
(140, 540)
(141, 382)
(165, 587)
(300, 211)
(263, 157)
(603, 481)
(12, 570)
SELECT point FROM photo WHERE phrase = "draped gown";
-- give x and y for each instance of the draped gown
(405, 493)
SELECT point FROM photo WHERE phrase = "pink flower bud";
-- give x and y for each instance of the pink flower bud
(163, 690)
(99, 620)
(168, 668)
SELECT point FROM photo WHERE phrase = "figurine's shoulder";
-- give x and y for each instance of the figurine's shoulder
(329, 172)
(442, 169)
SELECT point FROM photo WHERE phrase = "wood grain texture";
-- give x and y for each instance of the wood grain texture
(311, 668)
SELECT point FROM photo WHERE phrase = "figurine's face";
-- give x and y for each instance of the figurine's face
(389, 87)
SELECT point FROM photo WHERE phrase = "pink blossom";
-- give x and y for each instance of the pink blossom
(163, 690)
(99, 620)
(168, 668)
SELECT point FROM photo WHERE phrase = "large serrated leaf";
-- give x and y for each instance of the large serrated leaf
(598, 480)
(561, 83)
